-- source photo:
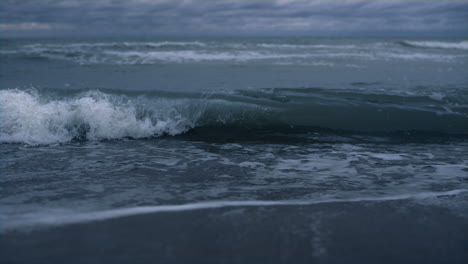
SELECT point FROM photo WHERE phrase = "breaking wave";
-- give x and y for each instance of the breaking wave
(117, 45)
(462, 45)
(34, 118)
(28, 117)
(157, 52)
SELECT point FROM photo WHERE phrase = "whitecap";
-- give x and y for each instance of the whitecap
(463, 45)
(28, 118)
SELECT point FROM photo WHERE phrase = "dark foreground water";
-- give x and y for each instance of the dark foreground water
(234, 151)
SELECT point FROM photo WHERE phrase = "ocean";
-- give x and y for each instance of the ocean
(234, 150)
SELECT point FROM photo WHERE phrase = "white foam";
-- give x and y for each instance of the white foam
(251, 164)
(139, 57)
(321, 166)
(463, 45)
(314, 63)
(305, 46)
(418, 56)
(180, 56)
(27, 118)
(385, 156)
(65, 217)
(80, 45)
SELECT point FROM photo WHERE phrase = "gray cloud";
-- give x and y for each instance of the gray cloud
(232, 17)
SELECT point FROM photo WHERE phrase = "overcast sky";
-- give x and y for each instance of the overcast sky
(79, 18)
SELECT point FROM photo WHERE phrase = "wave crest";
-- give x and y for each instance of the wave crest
(28, 118)
(462, 45)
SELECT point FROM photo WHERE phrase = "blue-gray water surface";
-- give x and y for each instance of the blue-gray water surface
(234, 150)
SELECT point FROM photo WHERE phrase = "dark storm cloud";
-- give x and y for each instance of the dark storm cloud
(232, 17)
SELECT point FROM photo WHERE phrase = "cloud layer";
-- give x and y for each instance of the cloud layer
(233, 17)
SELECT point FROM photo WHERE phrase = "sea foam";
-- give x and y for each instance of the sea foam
(463, 45)
(28, 118)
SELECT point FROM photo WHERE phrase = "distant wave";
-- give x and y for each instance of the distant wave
(304, 46)
(462, 45)
(63, 217)
(130, 57)
(129, 53)
(135, 57)
(122, 45)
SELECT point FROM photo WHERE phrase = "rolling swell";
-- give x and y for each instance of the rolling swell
(34, 117)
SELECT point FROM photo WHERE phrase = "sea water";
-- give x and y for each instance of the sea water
(234, 150)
